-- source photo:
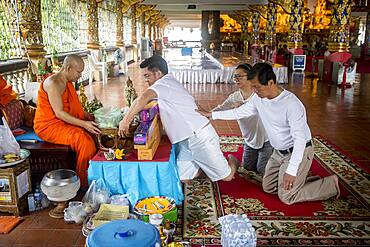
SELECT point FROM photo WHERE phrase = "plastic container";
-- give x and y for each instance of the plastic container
(124, 233)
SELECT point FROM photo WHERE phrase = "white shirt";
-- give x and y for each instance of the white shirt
(285, 122)
(252, 129)
(177, 109)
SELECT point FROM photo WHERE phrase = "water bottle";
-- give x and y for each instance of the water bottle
(31, 202)
(38, 198)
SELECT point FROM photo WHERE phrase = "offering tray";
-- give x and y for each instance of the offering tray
(112, 133)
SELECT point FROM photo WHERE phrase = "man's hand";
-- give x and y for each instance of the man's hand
(204, 113)
(92, 127)
(123, 126)
(288, 181)
(89, 116)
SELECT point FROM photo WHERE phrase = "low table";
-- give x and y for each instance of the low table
(140, 179)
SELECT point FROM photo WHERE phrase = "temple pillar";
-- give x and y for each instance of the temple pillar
(210, 29)
(93, 31)
(270, 33)
(31, 31)
(339, 29)
(133, 25)
(295, 24)
(119, 26)
(155, 31)
(143, 29)
(134, 31)
(255, 38)
(204, 29)
(150, 33)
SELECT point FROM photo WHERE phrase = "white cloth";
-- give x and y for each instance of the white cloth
(284, 119)
(252, 129)
(177, 109)
(202, 151)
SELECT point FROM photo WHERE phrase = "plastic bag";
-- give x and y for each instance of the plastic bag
(98, 193)
(237, 231)
(108, 117)
(8, 144)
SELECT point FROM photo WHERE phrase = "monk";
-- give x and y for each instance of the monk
(6, 92)
(60, 118)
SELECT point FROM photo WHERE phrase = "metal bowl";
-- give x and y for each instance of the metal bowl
(60, 185)
(60, 177)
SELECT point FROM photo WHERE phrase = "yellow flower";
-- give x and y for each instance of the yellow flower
(119, 153)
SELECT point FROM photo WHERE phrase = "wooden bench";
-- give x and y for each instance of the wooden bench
(46, 157)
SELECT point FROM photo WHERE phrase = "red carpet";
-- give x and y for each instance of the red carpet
(343, 222)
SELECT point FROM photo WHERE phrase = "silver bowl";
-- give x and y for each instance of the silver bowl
(60, 185)
(60, 177)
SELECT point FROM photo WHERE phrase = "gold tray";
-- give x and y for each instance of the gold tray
(112, 133)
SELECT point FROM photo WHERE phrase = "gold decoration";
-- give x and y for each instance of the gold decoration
(92, 18)
(130, 92)
(230, 25)
(133, 25)
(82, 96)
(30, 26)
(119, 25)
(339, 30)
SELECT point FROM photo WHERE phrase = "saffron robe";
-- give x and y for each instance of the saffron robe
(6, 92)
(52, 129)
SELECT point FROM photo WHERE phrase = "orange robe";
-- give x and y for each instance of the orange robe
(50, 128)
(6, 92)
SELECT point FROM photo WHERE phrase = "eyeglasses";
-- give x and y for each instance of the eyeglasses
(236, 77)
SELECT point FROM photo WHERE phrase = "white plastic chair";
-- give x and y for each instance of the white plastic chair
(123, 68)
(97, 66)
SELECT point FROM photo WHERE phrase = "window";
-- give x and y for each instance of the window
(10, 46)
(60, 25)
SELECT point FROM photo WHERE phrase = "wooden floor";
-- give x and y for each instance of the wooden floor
(343, 117)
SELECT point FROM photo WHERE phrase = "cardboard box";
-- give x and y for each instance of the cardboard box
(145, 133)
(148, 154)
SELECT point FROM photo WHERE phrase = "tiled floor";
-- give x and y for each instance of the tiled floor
(343, 117)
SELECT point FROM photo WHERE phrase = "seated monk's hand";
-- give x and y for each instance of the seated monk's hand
(92, 127)
(204, 113)
(89, 116)
(123, 127)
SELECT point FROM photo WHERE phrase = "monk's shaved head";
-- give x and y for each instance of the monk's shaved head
(72, 60)
(72, 68)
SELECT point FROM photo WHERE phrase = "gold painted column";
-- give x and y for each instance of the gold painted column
(119, 25)
(270, 34)
(339, 29)
(31, 30)
(30, 26)
(143, 26)
(134, 31)
(150, 33)
(155, 31)
(92, 32)
(255, 39)
(295, 24)
(133, 25)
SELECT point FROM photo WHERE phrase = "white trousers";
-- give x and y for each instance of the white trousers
(202, 151)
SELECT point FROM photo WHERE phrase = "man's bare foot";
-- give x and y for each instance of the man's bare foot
(336, 180)
(233, 163)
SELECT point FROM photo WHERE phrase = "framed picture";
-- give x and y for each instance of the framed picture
(5, 190)
(299, 62)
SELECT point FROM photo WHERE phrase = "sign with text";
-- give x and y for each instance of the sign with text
(299, 62)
